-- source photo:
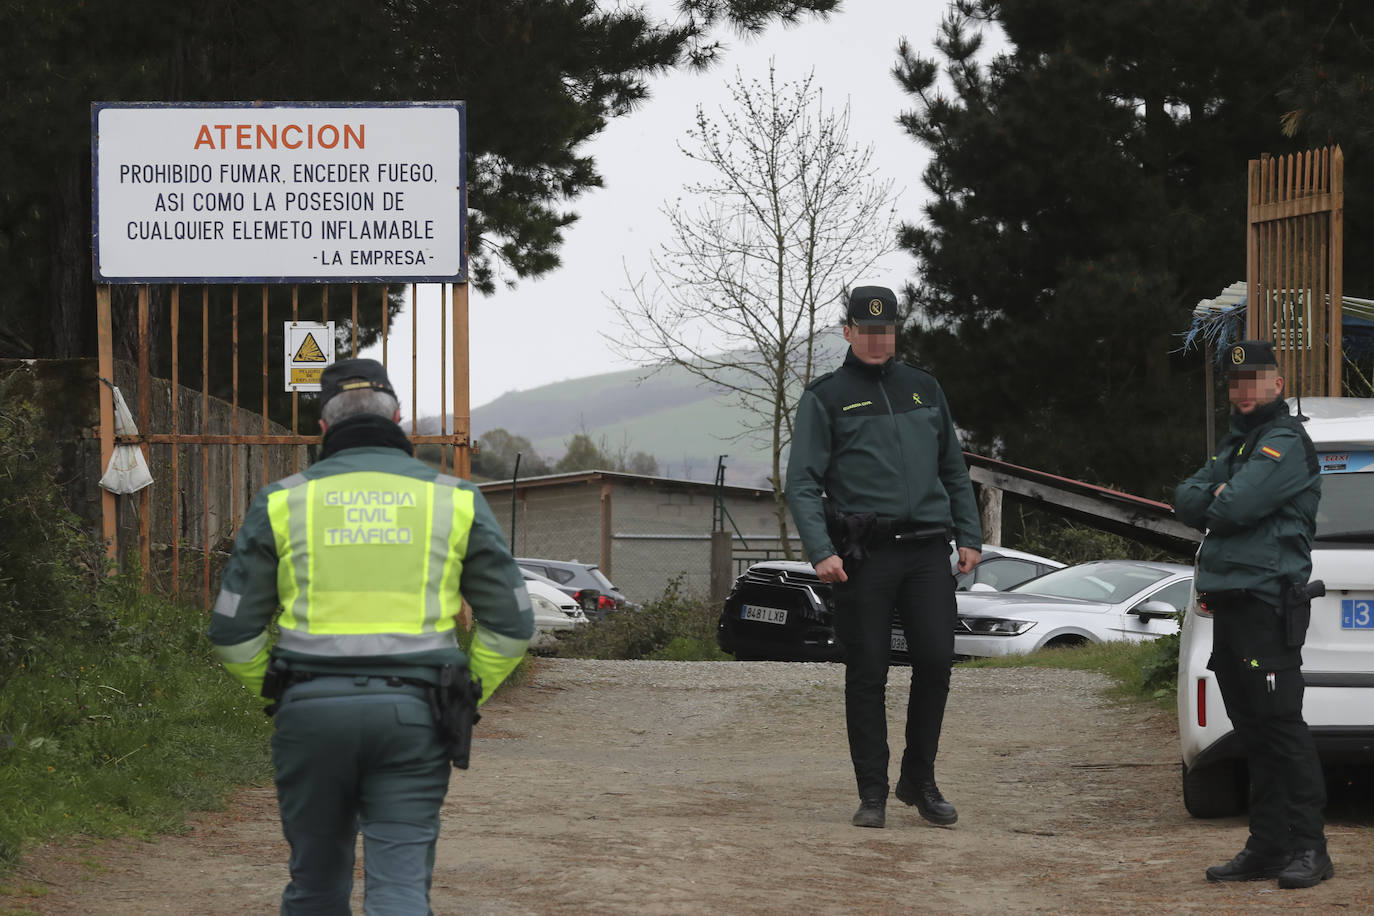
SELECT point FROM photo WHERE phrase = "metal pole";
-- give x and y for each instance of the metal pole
(514, 479)
(105, 363)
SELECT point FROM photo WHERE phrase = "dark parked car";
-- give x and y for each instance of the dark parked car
(580, 580)
(780, 611)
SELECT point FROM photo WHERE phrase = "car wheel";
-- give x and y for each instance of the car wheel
(1066, 642)
(1218, 790)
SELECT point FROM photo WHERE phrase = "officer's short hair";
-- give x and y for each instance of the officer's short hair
(359, 401)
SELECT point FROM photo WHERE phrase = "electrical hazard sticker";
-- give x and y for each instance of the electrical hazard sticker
(309, 349)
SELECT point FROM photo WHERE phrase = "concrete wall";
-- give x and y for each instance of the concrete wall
(556, 523)
(660, 530)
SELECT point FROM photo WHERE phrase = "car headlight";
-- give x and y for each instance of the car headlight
(545, 606)
(997, 626)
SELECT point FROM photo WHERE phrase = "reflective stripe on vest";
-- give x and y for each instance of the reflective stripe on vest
(369, 563)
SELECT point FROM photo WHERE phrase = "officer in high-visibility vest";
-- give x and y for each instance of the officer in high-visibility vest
(363, 560)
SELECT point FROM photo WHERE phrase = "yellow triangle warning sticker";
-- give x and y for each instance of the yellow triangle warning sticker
(309, 351)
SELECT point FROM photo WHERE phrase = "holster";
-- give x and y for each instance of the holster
(274, 682)
(1295, 606)
(453, 704)
(851, 533)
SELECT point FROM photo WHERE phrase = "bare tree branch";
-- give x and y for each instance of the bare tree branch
(792, 215)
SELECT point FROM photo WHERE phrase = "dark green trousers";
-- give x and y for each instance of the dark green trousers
(1261, 684)
(350, 754)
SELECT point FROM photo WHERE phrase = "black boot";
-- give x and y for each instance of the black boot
(872, 811)
(925, 795)
(1248, 865)
(1307, 869)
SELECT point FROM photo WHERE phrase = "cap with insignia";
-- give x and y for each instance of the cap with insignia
(1252, 356)
(350, 374)
(872, 305)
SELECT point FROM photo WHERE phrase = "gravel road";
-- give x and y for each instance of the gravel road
(667, 787)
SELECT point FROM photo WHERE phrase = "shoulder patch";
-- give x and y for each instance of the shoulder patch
(1270, 452)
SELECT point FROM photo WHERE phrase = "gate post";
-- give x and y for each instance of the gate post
(990, 510)
(105, 368)
(722, 564)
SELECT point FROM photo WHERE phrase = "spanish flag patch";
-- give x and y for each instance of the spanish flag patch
(1271, 452)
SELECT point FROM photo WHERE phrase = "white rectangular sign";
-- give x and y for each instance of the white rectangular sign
(309, 350)
(277, 192)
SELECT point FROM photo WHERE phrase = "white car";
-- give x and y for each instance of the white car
(1000, 568)
(555, 611)
(1091, 602)
(1338, 658)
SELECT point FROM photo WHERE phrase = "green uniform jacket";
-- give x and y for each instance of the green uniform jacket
(878, 439)
(272, 571)
(1259, 529)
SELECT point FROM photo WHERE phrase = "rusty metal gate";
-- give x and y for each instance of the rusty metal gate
(1294, 265)
(209, 455)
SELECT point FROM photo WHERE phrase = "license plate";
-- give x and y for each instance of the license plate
(764, 614)
(1357, 614)
(898, 641)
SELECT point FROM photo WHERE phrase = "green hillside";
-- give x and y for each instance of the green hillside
(686, 439)
(672, 415)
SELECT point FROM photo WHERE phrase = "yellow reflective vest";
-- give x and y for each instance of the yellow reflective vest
(364, 560)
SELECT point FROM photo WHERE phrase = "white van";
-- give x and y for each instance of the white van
(1338, 658)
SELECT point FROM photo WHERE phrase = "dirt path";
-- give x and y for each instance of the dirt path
(660, 787)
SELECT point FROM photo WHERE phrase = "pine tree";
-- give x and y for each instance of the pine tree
(1088, 189)
(540, 77)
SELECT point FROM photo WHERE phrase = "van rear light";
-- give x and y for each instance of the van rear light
(1202, 702)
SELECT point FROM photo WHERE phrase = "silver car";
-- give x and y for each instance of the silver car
(1091, 602)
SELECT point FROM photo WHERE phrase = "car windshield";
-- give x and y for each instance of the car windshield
(1107, 582)
(601, 580)
(1346, 511)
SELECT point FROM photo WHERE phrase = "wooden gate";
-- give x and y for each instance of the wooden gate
(1293, 265)
(210, 455)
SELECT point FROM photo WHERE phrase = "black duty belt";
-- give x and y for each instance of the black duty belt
(301, 677)
(906, 531)
(1230, 598)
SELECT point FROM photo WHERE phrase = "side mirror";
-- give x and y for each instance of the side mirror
(981, 587)
(1154, 610)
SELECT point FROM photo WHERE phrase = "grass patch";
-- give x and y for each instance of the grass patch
(124, 731)
(1137, 670)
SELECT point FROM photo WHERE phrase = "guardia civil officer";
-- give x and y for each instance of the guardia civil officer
(1257, 500)
(363, 560)
(875, 437)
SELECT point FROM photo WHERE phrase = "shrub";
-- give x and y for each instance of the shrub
(48, 565)
(1048, 535)
(1159, 667)
(672, 626)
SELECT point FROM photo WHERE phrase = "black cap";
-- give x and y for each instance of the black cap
(1252, 356)
(348, 374)
(872, 305)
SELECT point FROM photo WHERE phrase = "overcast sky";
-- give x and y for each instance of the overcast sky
(550, 329)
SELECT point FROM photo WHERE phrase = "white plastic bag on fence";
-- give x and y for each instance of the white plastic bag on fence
(128, 472)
